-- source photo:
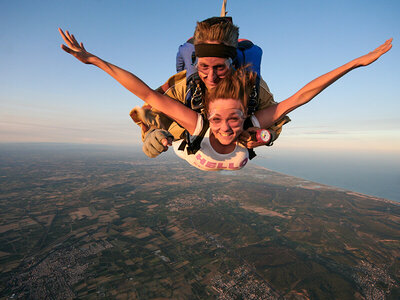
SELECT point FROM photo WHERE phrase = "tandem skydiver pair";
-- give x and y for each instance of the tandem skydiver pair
(226, 96)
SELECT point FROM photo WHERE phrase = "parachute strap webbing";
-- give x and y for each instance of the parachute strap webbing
(193, 147)
(194, 95)
(247, 124)
(253, 100)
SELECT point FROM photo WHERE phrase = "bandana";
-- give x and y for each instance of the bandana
(215, 50)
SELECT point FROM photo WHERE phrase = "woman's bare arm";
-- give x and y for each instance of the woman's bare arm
(174, 109)
(267, 117)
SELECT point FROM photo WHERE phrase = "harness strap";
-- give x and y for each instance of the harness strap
(194, 96)
(253, 98)
(253, 101)
(247, 124)
(193, 147)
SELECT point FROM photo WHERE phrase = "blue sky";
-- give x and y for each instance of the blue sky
(48, 96)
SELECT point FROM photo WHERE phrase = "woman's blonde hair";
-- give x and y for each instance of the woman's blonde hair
(217, 29)
(237, 84)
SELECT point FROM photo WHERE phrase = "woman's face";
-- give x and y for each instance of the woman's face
(226, 118)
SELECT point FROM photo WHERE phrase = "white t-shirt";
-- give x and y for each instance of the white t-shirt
(207, 159)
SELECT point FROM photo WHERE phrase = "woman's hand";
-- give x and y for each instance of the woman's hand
(369, 58)
(246, 140)
(74, 48)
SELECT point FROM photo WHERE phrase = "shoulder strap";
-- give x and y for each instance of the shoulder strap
(194, 93)
(253, 102)
(247, 124)
(193, 147)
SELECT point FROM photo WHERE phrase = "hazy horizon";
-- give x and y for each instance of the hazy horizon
(378, 177)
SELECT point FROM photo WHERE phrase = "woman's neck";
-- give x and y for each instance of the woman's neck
(219, 148)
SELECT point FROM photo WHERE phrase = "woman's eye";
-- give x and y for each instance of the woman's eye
(234, 120)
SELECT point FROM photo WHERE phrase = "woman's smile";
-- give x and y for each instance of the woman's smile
(226, 119)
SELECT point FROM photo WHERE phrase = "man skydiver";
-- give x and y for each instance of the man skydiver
(215, 40)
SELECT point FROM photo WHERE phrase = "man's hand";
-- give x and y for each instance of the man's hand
(246, 140)
(156, 142)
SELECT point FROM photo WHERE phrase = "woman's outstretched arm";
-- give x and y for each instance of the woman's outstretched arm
(267, 117)
(174, 109)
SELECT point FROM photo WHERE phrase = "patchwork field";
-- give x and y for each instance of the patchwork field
(96, 224)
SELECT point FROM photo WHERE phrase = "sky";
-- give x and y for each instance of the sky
(48, 96)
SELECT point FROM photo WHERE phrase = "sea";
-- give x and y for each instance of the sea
(367, 173)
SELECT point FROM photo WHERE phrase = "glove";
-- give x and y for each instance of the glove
(156, 142)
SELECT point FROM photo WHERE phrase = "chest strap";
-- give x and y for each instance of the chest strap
(193, 147)
(194, 95)
(247, 124)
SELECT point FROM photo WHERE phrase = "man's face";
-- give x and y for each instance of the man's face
(212, 70)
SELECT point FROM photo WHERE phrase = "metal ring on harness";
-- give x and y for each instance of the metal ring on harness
(197, 100)
(253, 101)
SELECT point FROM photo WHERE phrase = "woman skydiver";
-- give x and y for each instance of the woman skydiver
(226, 106)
